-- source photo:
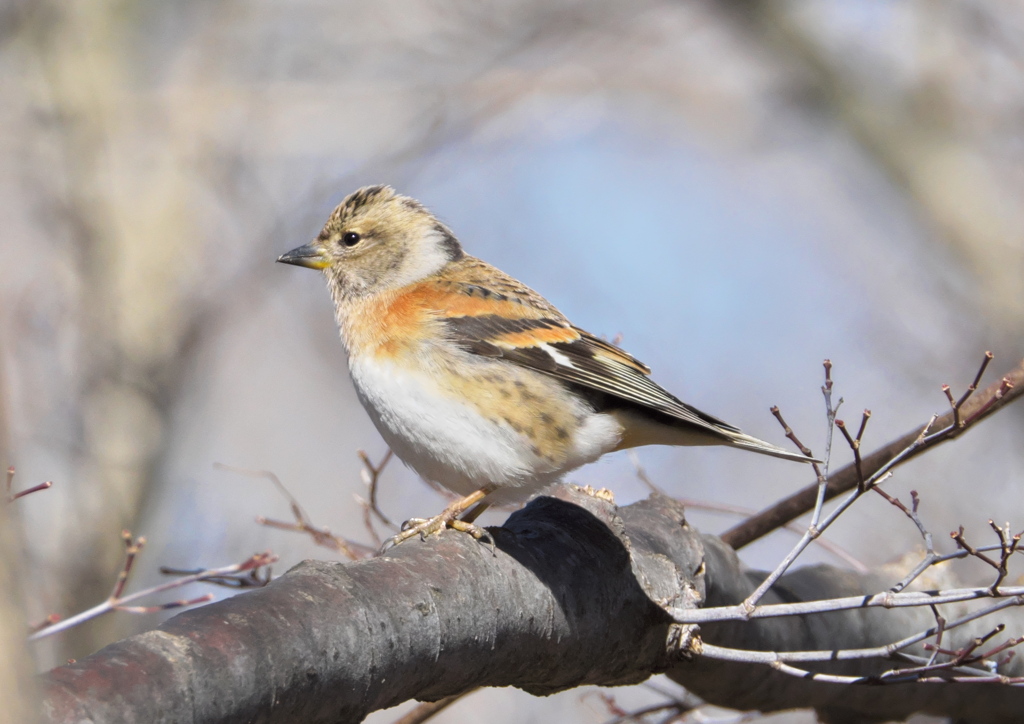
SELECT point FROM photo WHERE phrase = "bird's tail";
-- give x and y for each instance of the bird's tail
(644, 428)
(747, 442)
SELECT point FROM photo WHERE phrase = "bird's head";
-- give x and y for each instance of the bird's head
(376, 240)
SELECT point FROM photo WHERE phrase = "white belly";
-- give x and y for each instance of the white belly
(452, 444)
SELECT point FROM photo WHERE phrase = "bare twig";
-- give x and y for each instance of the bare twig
(371, 478)
(940, 631)
(931, 558)
(973, 409)
(48, 621)
(923, 668)
(132, 548)
(893, 648)
(816, 526)
(1008, 545)
(303, 524)
(791, 435)
(854, 443)
(886, 599)
(970, 391)
(11, 497)
(321, 536)
(677, 708)
(117, 602)
(927, 562)
(738, 510)
(959, 662)
(638, 715)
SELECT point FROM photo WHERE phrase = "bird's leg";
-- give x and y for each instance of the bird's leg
(449, 518)
(475, 512)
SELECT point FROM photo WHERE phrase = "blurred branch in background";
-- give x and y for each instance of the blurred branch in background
(935, 102)
(156, 156)
(930, 92)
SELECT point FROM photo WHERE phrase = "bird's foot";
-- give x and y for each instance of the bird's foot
(449, 518)
(424, 527)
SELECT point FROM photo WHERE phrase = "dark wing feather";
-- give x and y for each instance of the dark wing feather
(554, 347)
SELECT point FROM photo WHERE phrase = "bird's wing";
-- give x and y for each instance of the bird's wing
(510, 321)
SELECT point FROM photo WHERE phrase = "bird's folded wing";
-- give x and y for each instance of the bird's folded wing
(543, 340)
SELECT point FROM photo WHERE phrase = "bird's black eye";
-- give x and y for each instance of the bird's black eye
(350, 238)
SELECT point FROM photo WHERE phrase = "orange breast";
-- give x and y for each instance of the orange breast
(388, 324)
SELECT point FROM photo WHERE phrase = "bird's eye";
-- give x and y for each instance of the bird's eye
(350, 238)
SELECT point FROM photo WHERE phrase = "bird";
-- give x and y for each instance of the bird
(474, 380)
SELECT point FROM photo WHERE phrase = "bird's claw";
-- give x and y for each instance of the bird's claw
(424, 527)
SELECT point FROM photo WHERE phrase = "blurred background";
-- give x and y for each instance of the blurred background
(738, 189)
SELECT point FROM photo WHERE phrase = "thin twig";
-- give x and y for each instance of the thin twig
(11, 497)
(940, 631)
(132, 549)
(303, 524)
(931, 558)
(816, 527)
(779, 662)
(978, 406)
(885, 599)
(854, 443)
(112, 603)
(890, 649)
(676, 706)
(970, 390)
(637, 715)
(1008, 545)
(774, 409)
(370, 475)
(738, 510)
(928, 562)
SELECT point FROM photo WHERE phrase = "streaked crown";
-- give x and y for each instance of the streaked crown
(377, 239)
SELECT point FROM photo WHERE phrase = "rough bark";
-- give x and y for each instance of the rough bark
(576, 591)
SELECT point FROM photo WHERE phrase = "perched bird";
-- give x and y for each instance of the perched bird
(476, 381)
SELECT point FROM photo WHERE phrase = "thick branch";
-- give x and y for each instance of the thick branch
(572, 595)
(977, 407)
(557, 605)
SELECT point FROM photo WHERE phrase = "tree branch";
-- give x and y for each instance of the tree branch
(745, 686)
(332, 642)
(977, 407)
(577, 592)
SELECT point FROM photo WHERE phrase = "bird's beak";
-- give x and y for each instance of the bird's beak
(309, 255)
